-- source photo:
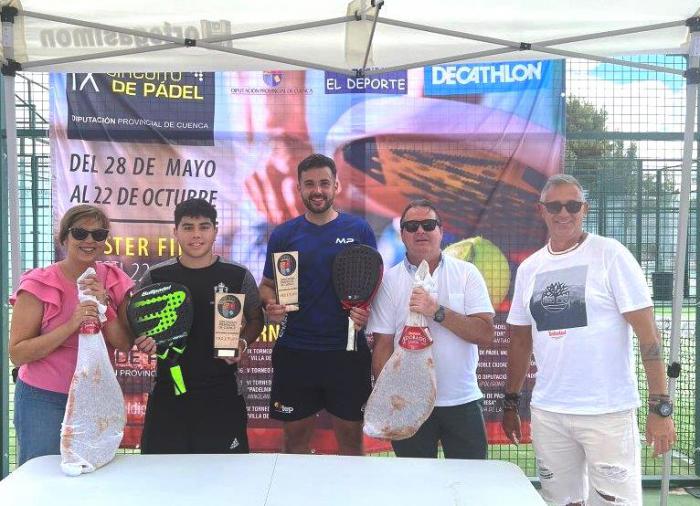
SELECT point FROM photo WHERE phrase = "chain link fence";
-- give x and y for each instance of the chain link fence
(624, 144)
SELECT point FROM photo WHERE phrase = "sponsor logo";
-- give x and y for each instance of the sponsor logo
(156, 291)
(272, 81)
(281, 408)
(234, 444)
(97, 37)
(488, 77)
(344, 240)
(119, 107)
(389, 83)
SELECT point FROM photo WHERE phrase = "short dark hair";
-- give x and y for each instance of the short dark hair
(316, 161)
(421, 203)
(194, 208)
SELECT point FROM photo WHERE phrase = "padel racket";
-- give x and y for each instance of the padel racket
(164, 312)
(357, 274)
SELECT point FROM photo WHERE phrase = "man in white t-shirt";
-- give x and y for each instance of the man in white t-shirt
(577, 302)
(460, 317)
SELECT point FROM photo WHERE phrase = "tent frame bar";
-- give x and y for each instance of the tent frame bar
(181, 41)
(511, 46)
(174, 42)
(508, 46)
(505, 42)
(691, 74)
(371, 35)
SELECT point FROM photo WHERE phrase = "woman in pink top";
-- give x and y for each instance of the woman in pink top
(45, 323)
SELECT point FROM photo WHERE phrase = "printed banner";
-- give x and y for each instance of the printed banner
(176, 107)
(139, 143)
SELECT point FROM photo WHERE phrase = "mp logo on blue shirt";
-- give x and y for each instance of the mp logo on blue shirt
(465, 78)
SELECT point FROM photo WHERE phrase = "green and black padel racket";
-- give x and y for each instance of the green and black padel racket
(164, 312)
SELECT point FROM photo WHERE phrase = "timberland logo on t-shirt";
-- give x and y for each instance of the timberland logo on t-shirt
(281, 408)
(555, 297)
(344, 240)
(557, 334)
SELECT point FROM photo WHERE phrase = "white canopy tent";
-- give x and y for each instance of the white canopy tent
(359, 38)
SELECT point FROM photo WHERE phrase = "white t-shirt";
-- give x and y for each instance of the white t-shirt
(582, 343)
(462, 289)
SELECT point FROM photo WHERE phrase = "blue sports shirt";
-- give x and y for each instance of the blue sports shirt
(321, 324)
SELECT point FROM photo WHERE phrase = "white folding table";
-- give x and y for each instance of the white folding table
(271, 480)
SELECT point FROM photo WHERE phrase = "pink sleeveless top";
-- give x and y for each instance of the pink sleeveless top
(60, 297)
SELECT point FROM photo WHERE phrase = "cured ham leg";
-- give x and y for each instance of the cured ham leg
(93, 425)
(404, 393)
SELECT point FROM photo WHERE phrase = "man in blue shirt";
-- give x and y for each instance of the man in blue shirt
(312, 369)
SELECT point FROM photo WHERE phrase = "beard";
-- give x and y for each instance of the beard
(328, 202)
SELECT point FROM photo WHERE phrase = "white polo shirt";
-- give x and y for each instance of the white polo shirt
(461, 288)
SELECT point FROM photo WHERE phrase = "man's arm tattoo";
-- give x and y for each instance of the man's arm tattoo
(651, 351)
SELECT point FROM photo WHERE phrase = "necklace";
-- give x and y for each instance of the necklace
(567, 250)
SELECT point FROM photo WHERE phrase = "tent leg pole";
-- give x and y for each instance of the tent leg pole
(8, 77)
(12, 174)
(10, 191)
(682, 238)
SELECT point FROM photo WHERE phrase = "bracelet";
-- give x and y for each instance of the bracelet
(245, 346)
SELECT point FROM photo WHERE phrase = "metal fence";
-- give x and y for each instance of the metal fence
(630, 167)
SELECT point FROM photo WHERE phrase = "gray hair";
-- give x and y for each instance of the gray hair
(561, 180)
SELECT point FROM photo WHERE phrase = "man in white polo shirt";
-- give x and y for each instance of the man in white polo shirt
(460, 318)
(576, 302)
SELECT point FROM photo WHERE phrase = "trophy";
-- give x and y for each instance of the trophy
(228, 321)
(287, 279)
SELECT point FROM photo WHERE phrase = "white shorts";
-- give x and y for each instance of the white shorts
(592, 458)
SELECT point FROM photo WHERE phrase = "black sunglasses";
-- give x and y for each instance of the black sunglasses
(412, 225)
(572, 206)
(80, 234)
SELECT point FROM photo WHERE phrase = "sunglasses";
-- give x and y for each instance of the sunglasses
(80, 234)
(572, 206)
(412, 225)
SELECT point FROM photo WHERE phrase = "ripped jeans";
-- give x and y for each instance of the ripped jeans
(591, 458)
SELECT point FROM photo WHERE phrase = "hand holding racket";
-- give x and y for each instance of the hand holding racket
(163, 312)
(357, 274)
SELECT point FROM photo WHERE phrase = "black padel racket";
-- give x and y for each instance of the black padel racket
(357, 274)
(164, 312)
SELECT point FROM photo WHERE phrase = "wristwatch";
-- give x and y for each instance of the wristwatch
(439, 315)
(662, 408)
